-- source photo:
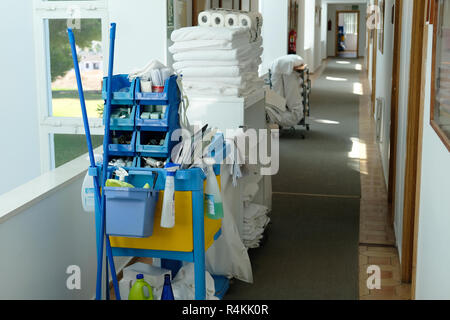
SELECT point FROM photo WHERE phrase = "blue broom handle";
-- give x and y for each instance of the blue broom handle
(90, 150)
(81, 95)
(107, 110)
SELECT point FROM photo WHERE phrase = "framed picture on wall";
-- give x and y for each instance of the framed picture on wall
(439, 17)
(381, 29)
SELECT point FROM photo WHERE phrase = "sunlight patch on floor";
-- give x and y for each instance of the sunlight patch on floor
(359, 150)
(324, 121)
(358, 88)
(336, 79)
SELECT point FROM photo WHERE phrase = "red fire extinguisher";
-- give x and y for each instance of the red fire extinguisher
(292, 42)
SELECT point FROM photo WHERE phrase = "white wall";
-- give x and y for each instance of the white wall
(403, 91)
(384, 86)
(141, 33)
(433, 261)
(274, 31)
(19, 129)
(331, 35)
(39, 243)
(323, 31)
(309, 34)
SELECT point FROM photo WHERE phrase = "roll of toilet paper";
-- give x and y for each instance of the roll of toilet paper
(252, 20)
(232, 20)
(245, 20)
(218, 19)
(205, 19)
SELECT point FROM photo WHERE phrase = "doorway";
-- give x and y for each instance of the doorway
(347, 34)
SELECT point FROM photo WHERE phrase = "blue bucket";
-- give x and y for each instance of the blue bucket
(130, 212)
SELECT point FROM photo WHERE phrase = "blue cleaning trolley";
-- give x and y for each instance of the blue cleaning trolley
(193, 234)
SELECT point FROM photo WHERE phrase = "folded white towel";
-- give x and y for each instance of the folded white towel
(217, 63)
(193, 45)
(230, 71)
(209, 33)
(253, 50)
(221, 89)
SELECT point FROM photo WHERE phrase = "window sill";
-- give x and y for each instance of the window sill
(30, 193)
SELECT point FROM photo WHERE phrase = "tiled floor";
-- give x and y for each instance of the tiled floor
(377, 239)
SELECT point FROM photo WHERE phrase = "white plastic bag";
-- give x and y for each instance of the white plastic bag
(228, 256)
(183, 285)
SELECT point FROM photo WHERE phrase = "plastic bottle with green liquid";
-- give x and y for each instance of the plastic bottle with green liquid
(213, 206)
(138, 291)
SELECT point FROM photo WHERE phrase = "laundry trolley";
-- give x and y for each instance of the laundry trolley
(295, 82)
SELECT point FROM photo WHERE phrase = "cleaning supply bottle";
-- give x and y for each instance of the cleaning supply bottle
(168, 208)
(213, 206)
(121, 173)
(139, 288)
(167, 292)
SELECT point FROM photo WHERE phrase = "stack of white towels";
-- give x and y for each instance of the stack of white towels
(218, 61)
(255, 222)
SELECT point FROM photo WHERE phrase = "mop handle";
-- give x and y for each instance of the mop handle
(107, 108)
(81, 95)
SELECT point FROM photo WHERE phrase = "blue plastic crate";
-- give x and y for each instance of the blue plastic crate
(123, 149)
(171, 94)
(122, 124)
(158, 151)
(170, 120)
(130, 212)
(122, 89)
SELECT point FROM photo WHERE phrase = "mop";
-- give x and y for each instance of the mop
(99, 199)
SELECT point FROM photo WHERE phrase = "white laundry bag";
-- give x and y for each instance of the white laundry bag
(228, 256)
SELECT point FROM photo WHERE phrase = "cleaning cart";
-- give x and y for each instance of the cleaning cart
(128, 219)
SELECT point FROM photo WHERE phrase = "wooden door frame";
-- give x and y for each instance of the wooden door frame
(394, 108)
(414, 139)
(337, 26)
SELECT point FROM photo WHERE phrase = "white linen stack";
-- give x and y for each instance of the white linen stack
(255, 222)
(217, 61)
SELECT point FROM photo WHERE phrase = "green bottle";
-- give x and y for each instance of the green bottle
(213, 206)
(137, 291)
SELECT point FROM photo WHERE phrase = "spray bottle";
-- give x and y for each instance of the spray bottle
(213, 206)
(121, 173)
(168, 209)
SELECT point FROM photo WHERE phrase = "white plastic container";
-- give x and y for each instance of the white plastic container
(88, 193)
(168, 208)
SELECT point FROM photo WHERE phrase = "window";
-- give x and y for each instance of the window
(440, 89)
(61, 126)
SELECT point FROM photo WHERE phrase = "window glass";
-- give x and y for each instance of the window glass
(71, 146)
(64, 99)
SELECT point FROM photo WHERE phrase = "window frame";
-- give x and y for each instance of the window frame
(49, 125)
(432, 15)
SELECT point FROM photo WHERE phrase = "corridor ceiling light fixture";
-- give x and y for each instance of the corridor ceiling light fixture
(358, 88)
(336, 79)
(343, 62)
(359, 150)
(358, 67)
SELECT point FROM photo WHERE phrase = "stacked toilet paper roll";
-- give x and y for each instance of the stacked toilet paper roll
(232, 19)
